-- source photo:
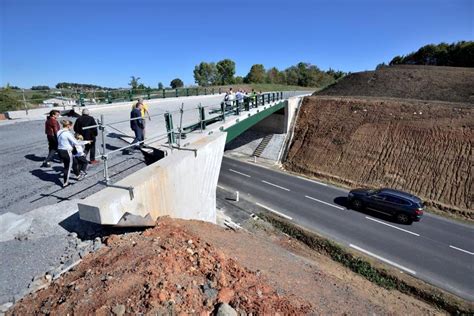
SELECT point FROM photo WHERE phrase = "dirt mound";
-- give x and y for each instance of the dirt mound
(164, 270)
(422, 148)
(452, 84)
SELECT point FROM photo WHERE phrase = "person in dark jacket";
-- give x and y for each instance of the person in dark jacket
(51, 128)
(89, 134)
(136, 123)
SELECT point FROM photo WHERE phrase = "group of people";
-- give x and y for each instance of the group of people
(71, 148)
(238, 96)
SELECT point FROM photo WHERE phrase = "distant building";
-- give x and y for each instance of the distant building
(59, 101)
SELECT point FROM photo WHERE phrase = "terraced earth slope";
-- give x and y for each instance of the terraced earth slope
(422, 147)
(453, 84)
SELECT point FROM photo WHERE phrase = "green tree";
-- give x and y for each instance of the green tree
(225, 72)
(176, 83)
(205, 74)
(292, 77)
(239, 80)
(40, 88)
(160, 85)
(256, 74)
(134, 82)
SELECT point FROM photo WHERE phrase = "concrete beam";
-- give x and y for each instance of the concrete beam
(181, 185)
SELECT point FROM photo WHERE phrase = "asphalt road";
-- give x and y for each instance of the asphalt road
(435, 249)
(26, 186)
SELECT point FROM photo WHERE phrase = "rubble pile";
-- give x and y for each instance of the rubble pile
(165, 269)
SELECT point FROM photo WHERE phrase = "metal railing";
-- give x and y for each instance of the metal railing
(173, 136)
(30, 99)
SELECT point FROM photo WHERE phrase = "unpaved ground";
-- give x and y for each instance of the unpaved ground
(453, 84)
(424, 148)
(191, 267)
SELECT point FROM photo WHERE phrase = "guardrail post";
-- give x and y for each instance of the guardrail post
(212, 90)
(130, 95)
(205, 91)
(237, 107)
(247, 104)
(81, 99)
(202, 117)
(24, 101)
(281, 95)
(176, 92)
(109, 97)
(223, 110)
(197, 91)
(164, 93)
(104, 149)
(148, 92)
(219, 90)
(187, 92)
(169, 128)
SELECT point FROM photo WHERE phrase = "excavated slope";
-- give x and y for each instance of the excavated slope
(424, 148)
(453, 84)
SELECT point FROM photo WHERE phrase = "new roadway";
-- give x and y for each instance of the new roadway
(436, 250)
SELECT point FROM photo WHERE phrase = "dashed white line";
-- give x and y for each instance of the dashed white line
(221, 187)
(404, 230)
(277, 186)
(238, 172)
(273, 211)
(332, 205)
(383, 259)
(314, 181)
(468, 252)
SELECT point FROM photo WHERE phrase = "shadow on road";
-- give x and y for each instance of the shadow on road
(119, 136)
(41, 159)
(48, 176)
(88, 230)
(35, 158)
(111, 147)
(342, 201)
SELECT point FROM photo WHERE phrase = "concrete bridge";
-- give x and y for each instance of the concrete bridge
(182, 182)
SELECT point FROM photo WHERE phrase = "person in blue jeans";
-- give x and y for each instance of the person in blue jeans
(136, 123)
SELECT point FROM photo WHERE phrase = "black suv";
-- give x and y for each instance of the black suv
(405, 207)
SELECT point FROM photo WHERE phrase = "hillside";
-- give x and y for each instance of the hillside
(452, 84)
(424, 148)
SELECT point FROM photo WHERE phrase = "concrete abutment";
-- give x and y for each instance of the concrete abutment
(181, 185)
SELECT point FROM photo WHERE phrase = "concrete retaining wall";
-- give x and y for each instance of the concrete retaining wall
(181, 185)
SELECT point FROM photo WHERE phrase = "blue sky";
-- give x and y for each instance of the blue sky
(104, 42)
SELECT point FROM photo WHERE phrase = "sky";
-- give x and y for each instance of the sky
(104, 42)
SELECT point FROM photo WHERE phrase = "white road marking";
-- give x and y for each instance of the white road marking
(275, 185)
(273, 211)
(220, 186)
(380, 222)
(383, 259)
(468, 252)
(335, 206)
(242, 174)
(314, 181)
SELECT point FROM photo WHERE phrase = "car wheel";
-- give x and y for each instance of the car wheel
(356, 204)
(404, 219)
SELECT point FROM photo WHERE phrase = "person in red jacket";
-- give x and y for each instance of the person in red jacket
(51, 128)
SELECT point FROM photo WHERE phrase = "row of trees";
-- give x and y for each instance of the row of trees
(302, 74)
(78, 86)
(460, 54)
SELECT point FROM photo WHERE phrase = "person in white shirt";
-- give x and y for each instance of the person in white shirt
(80, 167)
(66, 143)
